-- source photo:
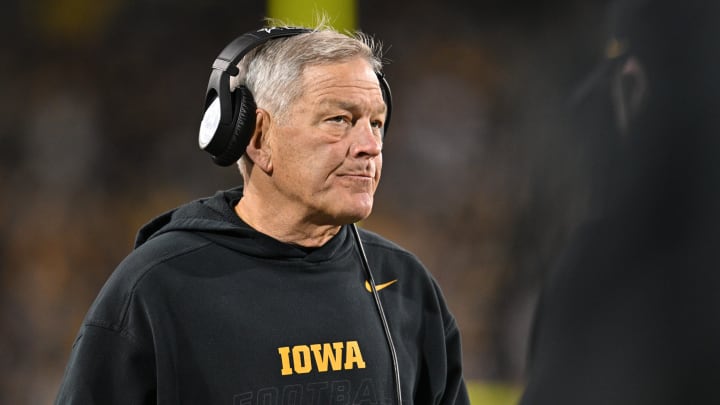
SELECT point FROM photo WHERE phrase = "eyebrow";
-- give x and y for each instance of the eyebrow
(348, 105)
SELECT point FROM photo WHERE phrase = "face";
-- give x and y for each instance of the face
(326, 155)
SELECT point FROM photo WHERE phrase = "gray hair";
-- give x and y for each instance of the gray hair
(272, 71)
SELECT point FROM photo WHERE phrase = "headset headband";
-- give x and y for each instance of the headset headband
(225, 65)
(232, 53)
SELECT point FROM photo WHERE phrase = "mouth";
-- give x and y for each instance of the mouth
(357, 176)
(358, 181)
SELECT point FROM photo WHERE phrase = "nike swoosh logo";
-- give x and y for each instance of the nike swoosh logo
(379, 286)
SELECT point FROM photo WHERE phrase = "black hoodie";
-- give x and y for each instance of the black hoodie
(206, 310)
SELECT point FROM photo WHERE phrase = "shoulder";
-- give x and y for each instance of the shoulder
(112, 303)
(155, 252)
(390, 261)
(388, 256)
(375, 242)
(162, 248)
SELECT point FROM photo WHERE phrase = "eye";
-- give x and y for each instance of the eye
(377, 124)
(338, 119)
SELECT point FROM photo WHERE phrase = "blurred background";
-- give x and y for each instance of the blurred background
(100, 102)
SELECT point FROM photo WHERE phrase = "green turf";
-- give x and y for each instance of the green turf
(493, 393)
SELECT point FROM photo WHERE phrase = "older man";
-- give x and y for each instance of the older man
(266, 293)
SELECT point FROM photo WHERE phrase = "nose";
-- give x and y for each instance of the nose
(367, 140)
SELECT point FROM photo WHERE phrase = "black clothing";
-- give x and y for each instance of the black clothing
(627, 320)
(630, 314)
(206, 310)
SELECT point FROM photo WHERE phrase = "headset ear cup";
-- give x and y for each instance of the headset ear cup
(244, 112)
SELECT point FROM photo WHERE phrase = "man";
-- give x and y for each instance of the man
(630, 313)
(260, 295)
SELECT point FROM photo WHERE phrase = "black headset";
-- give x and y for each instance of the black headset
(229, 117)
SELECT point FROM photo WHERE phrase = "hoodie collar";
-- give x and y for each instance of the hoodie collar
(215, 218)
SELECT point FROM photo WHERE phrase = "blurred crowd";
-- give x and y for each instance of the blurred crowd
(99, 110)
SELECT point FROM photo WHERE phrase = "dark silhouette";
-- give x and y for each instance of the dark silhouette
(631, 312)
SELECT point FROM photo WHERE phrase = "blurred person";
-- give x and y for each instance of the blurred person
(265, 293)
(630, 313)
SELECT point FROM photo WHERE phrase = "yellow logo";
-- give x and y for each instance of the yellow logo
(379, 286)
(321, 357)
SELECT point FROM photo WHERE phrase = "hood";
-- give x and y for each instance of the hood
(209, 214)
(215, 219)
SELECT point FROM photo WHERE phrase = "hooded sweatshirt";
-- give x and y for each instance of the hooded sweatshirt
(206, 310)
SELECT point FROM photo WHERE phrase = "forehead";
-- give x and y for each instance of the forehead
(352, 73)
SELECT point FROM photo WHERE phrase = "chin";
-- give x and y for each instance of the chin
(355, 215)
(350, 210)
(351, 218)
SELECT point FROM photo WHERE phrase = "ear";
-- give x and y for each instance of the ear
(629, 85)
(258, 149)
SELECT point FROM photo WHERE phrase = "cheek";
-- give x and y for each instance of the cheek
(305, 167)
(288, 155)
(288, 169)
(378, 168)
